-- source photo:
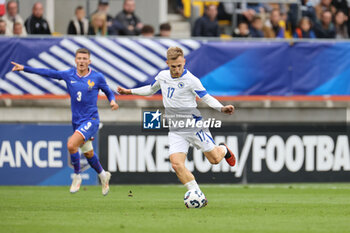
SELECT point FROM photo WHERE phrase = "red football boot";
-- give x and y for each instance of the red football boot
(230, 157)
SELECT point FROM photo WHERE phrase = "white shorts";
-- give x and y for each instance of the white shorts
(86, 147)
(180, 141)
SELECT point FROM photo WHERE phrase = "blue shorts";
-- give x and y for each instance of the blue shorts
(87, 129)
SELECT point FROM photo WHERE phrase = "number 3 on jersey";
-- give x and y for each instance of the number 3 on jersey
(79, 96)
(170, 92)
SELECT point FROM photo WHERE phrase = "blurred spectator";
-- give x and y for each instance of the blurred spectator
(36, 24)
(207, 25)
(308, 10)
(18, 29)
(225, 11)
(242, 30)
(164, 30)
(324, 5)
(272, 28)
(304, 29)
(99, 24)
(147, 31)
(180, 6)
(131, 23)
(325, 28)
(341, 5)
(79, 25)
(2, 27)
(103, 7)
(12, 16)
(256, 27)
(340, 23)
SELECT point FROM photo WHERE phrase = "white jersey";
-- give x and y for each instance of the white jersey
(179, 92)
(179, 100)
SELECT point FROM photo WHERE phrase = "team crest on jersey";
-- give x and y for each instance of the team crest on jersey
(181, 85)
(91, 84)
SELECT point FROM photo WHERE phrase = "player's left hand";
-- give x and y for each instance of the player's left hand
(228, 109)
(114, 105)
(17, 67)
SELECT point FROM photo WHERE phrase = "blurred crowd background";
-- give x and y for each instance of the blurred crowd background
(246, 18)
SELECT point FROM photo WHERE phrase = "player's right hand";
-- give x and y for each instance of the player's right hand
(123, 91)
(17, 67)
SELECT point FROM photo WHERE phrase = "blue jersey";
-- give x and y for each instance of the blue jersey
(82, 90)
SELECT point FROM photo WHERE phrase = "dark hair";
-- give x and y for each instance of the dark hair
(165, 27)
(305, 18)
(206, 7)
(147, 29)
(9, 2)
(257, 17)
(79, 8)
(1, 20)
(275, 9)
(82, 50)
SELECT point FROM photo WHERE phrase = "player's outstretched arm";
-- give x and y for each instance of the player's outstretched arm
(124, 91)
(43, 72)
(228, 109)
(215, 104)
(144, 91)
(17, 67)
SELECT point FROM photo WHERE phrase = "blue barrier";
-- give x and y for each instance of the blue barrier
(224, 67)
(36, 154)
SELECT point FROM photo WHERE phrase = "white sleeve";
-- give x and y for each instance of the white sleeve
(198, 88)
(212, 102)
(147, 90)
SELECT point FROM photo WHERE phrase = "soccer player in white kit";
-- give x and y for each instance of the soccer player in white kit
(179, 90)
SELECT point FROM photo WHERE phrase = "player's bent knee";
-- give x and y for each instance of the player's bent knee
(177, 166)
(71, 147)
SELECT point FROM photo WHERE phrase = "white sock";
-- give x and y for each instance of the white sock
(102, 175)
(192, 185)
(225, 149)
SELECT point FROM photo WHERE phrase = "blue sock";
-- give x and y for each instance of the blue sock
(95, 164)
(75, 158)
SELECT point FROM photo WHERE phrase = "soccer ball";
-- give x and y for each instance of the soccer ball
(194, 198)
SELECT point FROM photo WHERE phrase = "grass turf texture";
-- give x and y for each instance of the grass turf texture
(233, 208)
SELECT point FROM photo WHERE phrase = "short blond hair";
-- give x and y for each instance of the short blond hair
(174, 52)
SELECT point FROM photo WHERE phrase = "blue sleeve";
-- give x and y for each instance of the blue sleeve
(280, 33)
(312, 34)
(45, 72)
(105, 88)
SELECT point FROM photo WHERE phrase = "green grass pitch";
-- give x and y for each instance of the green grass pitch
(231, 208)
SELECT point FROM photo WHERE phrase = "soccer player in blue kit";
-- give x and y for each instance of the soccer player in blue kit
(83, 85)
